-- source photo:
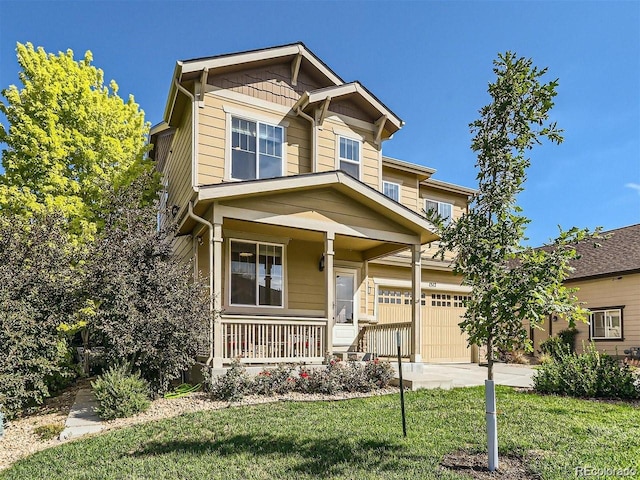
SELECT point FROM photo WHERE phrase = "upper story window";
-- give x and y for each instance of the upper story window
(391, 190)
(256, 274)
(256, 149)
(349, 156)
(606, 324)
(445, 210)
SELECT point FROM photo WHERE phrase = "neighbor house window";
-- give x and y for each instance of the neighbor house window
(256, 274)
(606, 324)
(256, 149)
(349, 156)
(391, 190)
(445, 210)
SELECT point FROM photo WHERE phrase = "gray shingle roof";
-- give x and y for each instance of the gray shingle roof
(618, 254)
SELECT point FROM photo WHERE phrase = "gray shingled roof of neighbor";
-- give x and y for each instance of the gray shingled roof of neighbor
(618, 254)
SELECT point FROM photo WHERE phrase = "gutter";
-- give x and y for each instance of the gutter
(208, 224)
(314, 135)
(194, 133)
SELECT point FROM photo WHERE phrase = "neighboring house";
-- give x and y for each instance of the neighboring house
(608, 279)
(314, 242)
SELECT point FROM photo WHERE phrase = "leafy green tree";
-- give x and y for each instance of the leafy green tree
(70, 138)
(150, 312)
(510, 283)
(39, 286)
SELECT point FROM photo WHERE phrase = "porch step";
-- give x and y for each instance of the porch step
(417, 381)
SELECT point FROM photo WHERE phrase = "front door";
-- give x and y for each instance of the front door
(345, 327)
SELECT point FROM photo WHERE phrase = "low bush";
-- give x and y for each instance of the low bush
(568, 337)
(555, 347)
(379, 373)
(232, 386)
(336, 376)
(120, 393)
(591, 374)
(274, 381)
(48, 431)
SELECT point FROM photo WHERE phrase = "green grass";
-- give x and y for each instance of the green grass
(356, 439)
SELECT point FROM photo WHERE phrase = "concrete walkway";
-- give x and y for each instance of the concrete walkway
(82, 417)
(421, 375)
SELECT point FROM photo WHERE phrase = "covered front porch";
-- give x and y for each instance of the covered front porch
(287, 261)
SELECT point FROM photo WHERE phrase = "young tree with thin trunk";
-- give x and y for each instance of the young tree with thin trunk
(510, 283)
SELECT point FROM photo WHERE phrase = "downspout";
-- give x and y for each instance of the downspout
(314, 140)
(208, 224)
(194, 133)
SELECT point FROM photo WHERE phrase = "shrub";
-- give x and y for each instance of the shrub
(345, 376)
(120, 393)
(568, 337)
(233, 385)
(38, 292)
(591, 374)
(379, 373)
(49, 431)
(555, 347)
(335, 377)
(150, 311)
(273, 381)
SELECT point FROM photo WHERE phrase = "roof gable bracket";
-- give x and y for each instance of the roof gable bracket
(379, 126)
(203, 87)
(323, 110)
(295, 68)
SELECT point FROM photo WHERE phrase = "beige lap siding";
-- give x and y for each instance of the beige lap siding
(305, 281)
(610, 292)
(178, 165)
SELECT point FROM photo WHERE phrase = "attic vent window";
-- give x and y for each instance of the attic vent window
(256, 149)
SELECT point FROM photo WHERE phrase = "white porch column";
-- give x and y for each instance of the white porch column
(416, 309)
(216, 243)
(329, 237)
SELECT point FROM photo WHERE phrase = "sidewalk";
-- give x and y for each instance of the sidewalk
(422, 375)
(82, 418)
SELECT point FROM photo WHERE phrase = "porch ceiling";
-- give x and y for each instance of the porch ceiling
(365, 248)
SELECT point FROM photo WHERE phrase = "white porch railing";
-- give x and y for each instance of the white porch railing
(266, 339)
(382, 339)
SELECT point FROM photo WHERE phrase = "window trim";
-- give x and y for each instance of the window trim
(339, 159)
(392, 183)
(619, 308)
(228, 274)
(424, 203)
(230, 114)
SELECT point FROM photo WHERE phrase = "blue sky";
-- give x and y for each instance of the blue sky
(429, 62)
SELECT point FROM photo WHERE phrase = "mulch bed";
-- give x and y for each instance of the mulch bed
(474, 465)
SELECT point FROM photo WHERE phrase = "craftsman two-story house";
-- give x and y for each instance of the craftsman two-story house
(313, 242)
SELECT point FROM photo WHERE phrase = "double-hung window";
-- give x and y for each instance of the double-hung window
(606, 324)
(256, 274)
(256, 149)
(391, 190)
(445, 210)
(349, 156)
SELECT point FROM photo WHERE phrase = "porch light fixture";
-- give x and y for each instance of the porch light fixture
(321, 263)
(174, 210)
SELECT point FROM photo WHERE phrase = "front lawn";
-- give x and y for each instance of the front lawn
(354, 439)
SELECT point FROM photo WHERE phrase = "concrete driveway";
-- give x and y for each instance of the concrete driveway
(424, 375)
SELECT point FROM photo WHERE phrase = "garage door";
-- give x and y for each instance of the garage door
(442, 340)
